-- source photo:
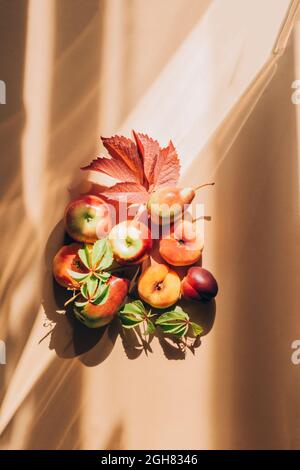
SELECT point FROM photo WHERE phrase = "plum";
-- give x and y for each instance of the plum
(199, 284)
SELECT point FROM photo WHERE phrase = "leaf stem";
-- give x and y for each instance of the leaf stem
(202, 186)
(202, 217)
(71, 299)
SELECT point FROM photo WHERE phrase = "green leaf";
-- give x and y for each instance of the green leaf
(103, 277)
(197, 329)
(131, 318)
(78, 276)
(98, 251)
(175, 322)
(180, 313)
(99, 289)
(81, 304)
(134, 308)
(102, 294)
(84, 255)
(133, 313)
(140, 305)
(173, 316)
(92, 284)
(84, 291)
(107, 258)
(150, 328)
(179, 329)
(129, 321)
(150, 314)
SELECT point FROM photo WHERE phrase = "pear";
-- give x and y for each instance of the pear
(166, 205)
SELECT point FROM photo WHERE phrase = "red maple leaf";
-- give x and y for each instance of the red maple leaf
(121, 148)
(116, 168)
(167, 168)
(131, 193)
(149, 151)
(140, 166)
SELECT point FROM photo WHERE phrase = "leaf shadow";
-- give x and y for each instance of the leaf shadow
(171, 346)
(134, 342)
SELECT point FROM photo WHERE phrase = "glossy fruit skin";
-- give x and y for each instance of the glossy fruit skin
(183, 246)
(159, 286)
(87, 219)
(67, 258)
(131, 242)
(199, 284)
(95, 316)
(167, 204)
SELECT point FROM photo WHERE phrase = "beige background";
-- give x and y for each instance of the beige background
(240, 389)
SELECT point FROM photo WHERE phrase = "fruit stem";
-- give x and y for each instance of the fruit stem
(202, 217)
(202, 186)
(71, 299)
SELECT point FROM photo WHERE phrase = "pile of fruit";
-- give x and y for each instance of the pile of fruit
(98, 265)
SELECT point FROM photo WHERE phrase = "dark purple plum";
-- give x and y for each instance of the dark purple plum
(199, 284)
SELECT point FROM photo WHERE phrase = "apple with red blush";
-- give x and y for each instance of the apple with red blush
(131, 242)
(66, 260)
(95, 314)
(88, 218)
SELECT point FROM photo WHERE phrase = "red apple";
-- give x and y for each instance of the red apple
(95, 316)
(131, 242)
(199, 284)
(87, 219)
(67, 258)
